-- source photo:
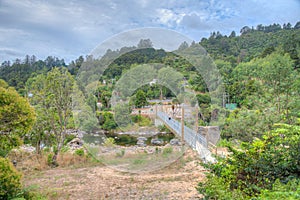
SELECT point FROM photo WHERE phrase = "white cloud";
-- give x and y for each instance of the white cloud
(168, 17)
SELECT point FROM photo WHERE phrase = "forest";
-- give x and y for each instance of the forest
(260, 70)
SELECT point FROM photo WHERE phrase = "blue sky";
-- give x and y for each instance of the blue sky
(68, 29)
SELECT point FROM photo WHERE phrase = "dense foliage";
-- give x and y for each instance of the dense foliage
(255, 167)
(52, 94)
(17, 73)
(10, 180)
(16, 118)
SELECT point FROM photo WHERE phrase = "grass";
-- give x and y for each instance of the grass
(56, 186)
(31, 162)
(141, 161)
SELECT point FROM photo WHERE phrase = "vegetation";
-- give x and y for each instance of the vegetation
(53, 95)
(16, 118)
(258, 167)
(40, 100)
(109, 142)
(10, 180)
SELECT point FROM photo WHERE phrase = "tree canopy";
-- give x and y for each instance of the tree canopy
(17, 117)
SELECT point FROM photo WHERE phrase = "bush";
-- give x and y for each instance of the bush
(145, 121)
(218, 188)
(163, 128)
(10, 180)
(64, 149)
(50, 160)
(109, 142)
(106, 120)
(79, 152)
(267, 167)
(291, 190)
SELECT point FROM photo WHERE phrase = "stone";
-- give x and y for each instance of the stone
(142, 138)
(157, 141)
(77, 133)
(141, 143)
(76, 143)
(27, 148)
(175, 142)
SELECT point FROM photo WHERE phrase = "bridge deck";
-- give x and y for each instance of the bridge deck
(195, 140)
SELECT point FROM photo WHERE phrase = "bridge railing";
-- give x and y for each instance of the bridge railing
(190, 136)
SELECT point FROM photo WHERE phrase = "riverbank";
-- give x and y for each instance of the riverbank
(175, 181)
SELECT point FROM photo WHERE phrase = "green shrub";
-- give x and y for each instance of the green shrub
(163, 128)
(259, 169)
(79, 152)
(167, 150)
(217, 188)
(223, 143)
(109, 142)
(49, 159)
(31, 192)
(10, 184)
(279, 191)
(106, 120)
(145, 121)
(64, 149)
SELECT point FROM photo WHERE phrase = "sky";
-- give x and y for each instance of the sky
(70, 28)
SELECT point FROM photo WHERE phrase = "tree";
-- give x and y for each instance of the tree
(53, 95)
(145, 43)
(232, 34)
(16, 117)
(183, 46)
(122, 114)
(297, 25)
(277, 72)
(140, 99)
(171, 79)
(106, 120)
(245, 30)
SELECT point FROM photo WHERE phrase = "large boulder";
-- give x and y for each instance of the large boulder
(76, 143)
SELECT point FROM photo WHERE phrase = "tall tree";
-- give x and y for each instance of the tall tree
(53, 95)
(145, 43)
(140, 99)
(16, 118)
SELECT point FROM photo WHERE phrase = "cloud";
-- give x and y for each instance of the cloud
(10, 52)
(194, 21)
(69, 29)
(168, 17)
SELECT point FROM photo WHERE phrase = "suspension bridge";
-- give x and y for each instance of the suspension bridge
(195, 140)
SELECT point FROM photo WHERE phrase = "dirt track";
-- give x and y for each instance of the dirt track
(177, 181)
